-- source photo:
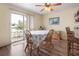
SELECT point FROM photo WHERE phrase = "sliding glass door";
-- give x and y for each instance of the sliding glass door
(18, 23)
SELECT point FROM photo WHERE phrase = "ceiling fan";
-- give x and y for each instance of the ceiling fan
(48, 6)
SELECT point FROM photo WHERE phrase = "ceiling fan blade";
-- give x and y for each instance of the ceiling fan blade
(42, 9)
(39, 5)
(55, 4)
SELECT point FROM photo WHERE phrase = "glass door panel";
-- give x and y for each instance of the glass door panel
(17, 26)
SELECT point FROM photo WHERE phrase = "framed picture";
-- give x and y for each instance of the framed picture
(54, 20)
(76, 18)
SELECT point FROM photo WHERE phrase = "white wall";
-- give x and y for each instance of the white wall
(66, 19)
(4, 25)
(38, 21)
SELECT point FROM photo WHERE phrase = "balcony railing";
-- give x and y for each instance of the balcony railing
(16, 35)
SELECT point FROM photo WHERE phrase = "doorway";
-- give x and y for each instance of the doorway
(18, 24)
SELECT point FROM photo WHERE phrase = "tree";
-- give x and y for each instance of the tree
(20, 25)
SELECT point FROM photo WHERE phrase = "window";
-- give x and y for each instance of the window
(16, 27)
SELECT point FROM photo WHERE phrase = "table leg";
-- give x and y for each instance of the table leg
(38, 50)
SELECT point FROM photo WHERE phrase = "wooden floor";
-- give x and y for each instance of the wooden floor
(59, 49)
(17, 49)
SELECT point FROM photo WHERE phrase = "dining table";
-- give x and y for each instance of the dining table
(37, 37)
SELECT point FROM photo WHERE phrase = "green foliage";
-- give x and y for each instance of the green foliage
(20, 25)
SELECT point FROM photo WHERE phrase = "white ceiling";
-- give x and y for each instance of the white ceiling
(33, 8)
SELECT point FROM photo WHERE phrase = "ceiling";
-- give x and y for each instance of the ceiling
(33, 8)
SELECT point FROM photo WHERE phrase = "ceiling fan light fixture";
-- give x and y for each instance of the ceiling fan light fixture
(47, 8)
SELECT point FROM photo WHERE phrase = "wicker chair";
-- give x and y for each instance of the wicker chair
(70, 41)
(46, 44)
(48, 39)
(29, 42)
